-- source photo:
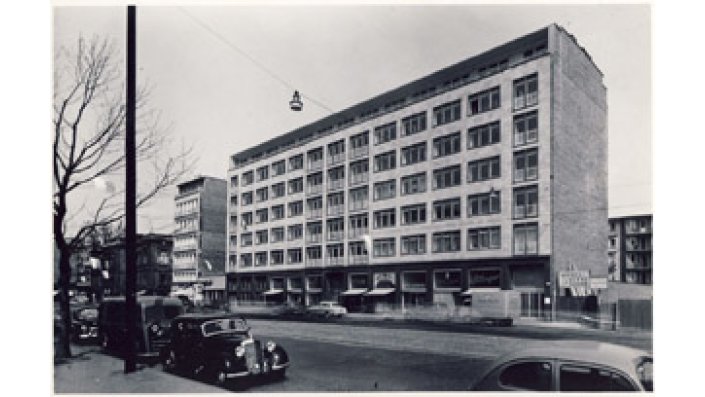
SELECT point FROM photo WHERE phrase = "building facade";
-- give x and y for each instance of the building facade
(490, 173)
(200, 237)
(629, 249)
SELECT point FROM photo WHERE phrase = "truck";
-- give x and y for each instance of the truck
(496, 307)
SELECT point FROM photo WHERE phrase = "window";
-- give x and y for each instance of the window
(413, 124)
(526, 165)
(246, 239)
(385, 190)
(296, 208)
(295, 232)
(446, 177)
(357, 248)
(335, 229)
(335, 251)
(484, 238)
(385, 218)
(384, 247)
(526, 127)
(336, 178)
(526, 91)
(385, 133)
(246, 198)
(413, 214)
(262, 215)
(359, 145)
(247, 178)
(276, 257)
(359, 172)
(246, 219)
(245, 260)
(413, 184)
(447, 279)
(314, 159)
(484, 135)
(278, 190)
(294, 255)
(314, 230)
(336, 203)
(314, 183)
(413, 154)
(444, 210)
(313, 253)
(526, 202)
(358, 225)
(277, 212)
(262, 194)
(484, 169)
(296, 185)
(446, 113)
(336, 152)
(385, 161)
(484, 204)
(263, 173)
(296, 162)
(446, 241)
(233, 181)
(413, 245)
(446, 145)
(526, 239)
(260, 258)
(314, 207)
(530, 376)
(278, 168)
(261, 237)
(359, 198)
(582, 378)
(484, 101)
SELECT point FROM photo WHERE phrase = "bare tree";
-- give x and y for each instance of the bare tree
(88, 150)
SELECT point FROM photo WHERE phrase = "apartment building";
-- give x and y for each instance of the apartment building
(488, 174)
(200, 237)
(629, 249)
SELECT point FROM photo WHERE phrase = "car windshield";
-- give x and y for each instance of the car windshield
(221, 325)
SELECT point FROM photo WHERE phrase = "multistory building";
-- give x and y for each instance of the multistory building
(629, 249)
(488, 174)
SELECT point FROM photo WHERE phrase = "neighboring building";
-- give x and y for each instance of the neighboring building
(200, 238)
(630, 249)
(490, 173)
(154, 266)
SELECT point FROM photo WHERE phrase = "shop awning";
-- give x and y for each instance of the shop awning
(353, 292)
(379, 292)
(470, 291)
(274, 292)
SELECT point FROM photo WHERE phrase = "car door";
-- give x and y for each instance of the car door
(529, 375)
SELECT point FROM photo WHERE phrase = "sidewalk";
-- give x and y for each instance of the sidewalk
(94, 372)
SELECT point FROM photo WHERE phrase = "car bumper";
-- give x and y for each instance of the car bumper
(257, 371)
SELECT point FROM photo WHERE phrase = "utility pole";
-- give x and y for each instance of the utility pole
(131, 194)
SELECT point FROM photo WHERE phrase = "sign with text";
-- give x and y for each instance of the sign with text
(573, 279)
(598, 283)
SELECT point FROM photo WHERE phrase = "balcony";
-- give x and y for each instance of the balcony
(314, 263)
(357, 232)
(358, 259)
(359, 152)
(336, 184)
(359, 205)
(314, 238)
(336, 158)
(315, 165)
(337, 235)
(335, 261)
(335, 210)
(314, 189)
(358, 179)
(314, 214)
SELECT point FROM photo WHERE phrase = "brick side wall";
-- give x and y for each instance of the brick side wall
(213, 225)
(579, 160)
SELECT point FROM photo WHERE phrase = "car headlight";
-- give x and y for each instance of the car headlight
(154, 328)
(271, 346)
(239, 351)
(227, 363)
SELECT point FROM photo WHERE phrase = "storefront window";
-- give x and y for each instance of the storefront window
(486, 278)
(447, 279)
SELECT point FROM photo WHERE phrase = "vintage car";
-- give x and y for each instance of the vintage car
(220, 346)
(327, 309)
(84, 324)
(570, 366)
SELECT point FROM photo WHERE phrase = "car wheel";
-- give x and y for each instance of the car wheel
(170, 362)
(221, 377)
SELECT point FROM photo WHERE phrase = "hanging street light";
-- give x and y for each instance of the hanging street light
(295, 103)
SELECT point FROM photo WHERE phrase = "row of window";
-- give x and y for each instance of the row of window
(525, 205)
(487, 238)
(525, 169)
(525, 94)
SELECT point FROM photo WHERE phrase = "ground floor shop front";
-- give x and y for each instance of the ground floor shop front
(443, 286)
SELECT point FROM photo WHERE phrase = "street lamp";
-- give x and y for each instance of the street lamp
(295, 104)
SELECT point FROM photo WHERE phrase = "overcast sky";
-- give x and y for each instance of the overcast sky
(199, 63)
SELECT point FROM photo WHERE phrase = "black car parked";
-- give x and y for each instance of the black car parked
(221, 347)
(84, 324)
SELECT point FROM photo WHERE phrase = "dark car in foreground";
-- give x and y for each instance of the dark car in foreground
(570, 366)
(220, 346)
(84, 324)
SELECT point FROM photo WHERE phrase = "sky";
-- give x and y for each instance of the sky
(222, 76)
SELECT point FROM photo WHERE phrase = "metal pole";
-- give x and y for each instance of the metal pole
(131, 194)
